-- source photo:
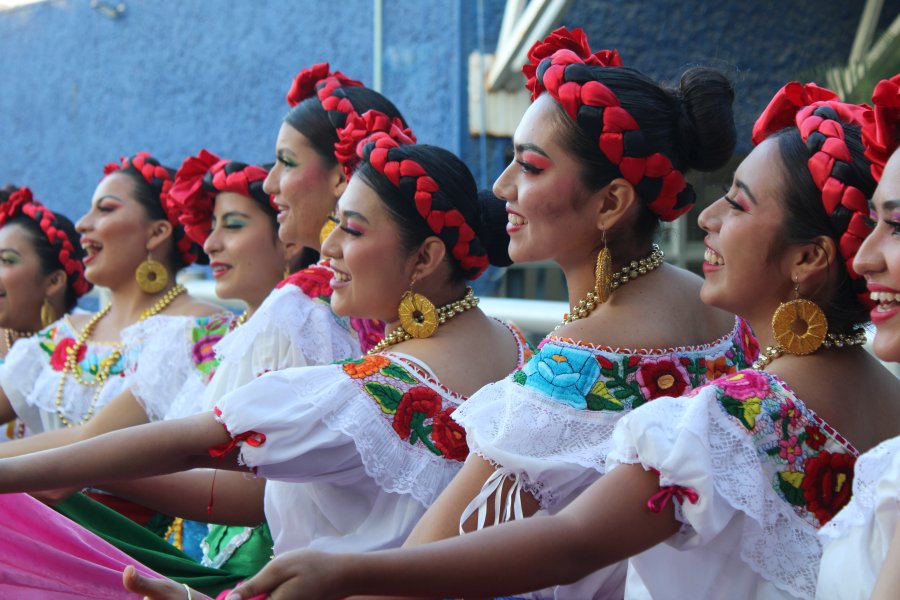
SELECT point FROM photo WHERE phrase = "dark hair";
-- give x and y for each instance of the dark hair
(484, 213)
(320, 127)
(149, 195)
(255, 188)
(48, 255)
(692, 125)
(806, 219)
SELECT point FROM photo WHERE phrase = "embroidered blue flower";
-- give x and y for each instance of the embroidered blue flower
(565, 374)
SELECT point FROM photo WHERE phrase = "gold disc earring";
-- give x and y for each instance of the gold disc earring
(327, 228)
(151, 275)
(799, 326)
(48, 313)
(603, 273)
(417, 315)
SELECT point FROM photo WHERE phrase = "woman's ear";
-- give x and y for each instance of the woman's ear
(55, 284)
(339, 181)
(811, 262)
(429, 257)
(160, 231)
(614, 202)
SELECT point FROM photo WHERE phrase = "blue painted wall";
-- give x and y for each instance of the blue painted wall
(171, 76)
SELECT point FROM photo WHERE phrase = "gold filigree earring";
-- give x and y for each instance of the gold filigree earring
(799, 326)
(48, 313)
(603, 273)
(417, 314)
(151, 275)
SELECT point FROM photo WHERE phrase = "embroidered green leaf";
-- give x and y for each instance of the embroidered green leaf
(789, 483)
(737, 409)
(595, 402)
(622, 393)
(387, 396)
(398, 372)
(774, 451)
(520, 377)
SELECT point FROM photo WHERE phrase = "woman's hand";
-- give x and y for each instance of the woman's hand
(157, 589)
(54, 497)
(299, 574)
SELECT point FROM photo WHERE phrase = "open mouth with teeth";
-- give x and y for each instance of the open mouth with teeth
(342, 277)
(517, 220)
(91, 249)
(713, 258)
(887, 301)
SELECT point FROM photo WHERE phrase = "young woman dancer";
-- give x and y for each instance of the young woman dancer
(717, 494)
(637, 329)
(41, 273)
(863, 538)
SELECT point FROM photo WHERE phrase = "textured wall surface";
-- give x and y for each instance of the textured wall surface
(171, 76)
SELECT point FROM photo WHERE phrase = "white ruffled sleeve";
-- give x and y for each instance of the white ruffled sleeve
(171, 361)
(19, 373)
(760, 464)
(857, 539)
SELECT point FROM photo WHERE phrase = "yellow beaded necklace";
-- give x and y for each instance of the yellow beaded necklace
(107, 363)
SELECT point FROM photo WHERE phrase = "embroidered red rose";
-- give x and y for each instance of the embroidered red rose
(449, 436)
(815, 438)
(828, 484)
(662, 378)
(605, 363)
(315, 281)
(422, 400)
(60, 353)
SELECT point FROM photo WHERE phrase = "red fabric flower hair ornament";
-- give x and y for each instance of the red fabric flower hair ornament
(359, 128)
(201, 178)
(446, 222)
(554, 67)
(160, 179)
(882, 135)
(818, 114)
(21, 202)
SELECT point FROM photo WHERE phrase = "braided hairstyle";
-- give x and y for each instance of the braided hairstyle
(322, 102)
(617, 122)
(152, 182)
(53, 238)
(827, 182)
(428, 191)
(201, 178)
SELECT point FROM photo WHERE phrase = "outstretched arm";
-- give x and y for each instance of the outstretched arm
(142, 451)
(607, 523)
(123, 411)
(888, 585)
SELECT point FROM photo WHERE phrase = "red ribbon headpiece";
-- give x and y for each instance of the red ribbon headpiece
(445, 221)
(882, 135)
(555, 66)
(819, 114)
(201, 178)
(21, 202)
(160, 179)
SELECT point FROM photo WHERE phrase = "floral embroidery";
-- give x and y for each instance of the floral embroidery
(747, 342)
(417, 409)
(809, 466)
(205, 334)
(369, 332)
(593, 378)
(55, 342)
(315, 281)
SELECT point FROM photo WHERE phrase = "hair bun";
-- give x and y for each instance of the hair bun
(706, 131)
(491, 230)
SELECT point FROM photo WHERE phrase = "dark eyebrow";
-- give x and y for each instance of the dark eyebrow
(520, 148)
(110, 196)
(16, 252)
(743, 187)
(352, 214)
(891, 204)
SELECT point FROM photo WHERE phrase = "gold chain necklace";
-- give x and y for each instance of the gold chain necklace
(239, 321)
(631, 271)
(444, 313)
(11, 336)
(107, 363)
(832, 340)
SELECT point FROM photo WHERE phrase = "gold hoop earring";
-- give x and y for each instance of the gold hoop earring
(151, 275)
(799, 326)
(48, 313)
(327, 228)
(417, 314)
(603, 273)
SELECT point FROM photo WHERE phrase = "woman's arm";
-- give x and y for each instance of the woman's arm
(888, 585)
(7, 412)
(609, 522)
(204, 495)
(141, 451)
(123, 411)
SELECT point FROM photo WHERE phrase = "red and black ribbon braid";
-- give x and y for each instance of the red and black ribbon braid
(360, 127)
(381, 151)
(819, 116)
(556, 65)
(881, 135)
(21, 202)
(160, 179)
(201, 178)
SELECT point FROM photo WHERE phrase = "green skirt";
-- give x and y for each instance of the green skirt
(152, 551)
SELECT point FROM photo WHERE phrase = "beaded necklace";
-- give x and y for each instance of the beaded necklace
(629, 272)
(239, 321)
(444, 313)
(107, 363)
(832, 340)
(10, 337)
